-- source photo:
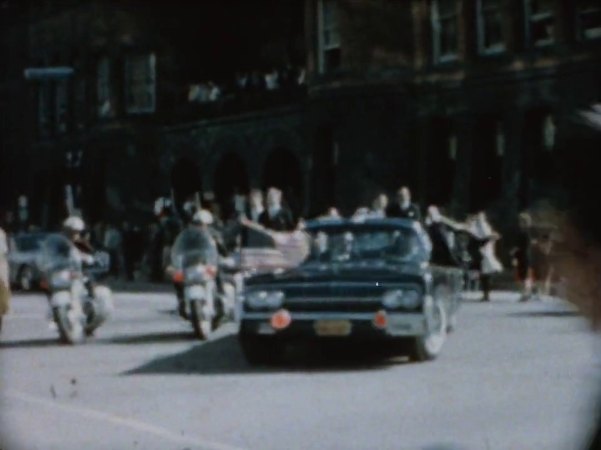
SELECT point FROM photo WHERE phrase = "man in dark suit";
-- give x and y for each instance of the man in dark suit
(402, 207)
(276, 217)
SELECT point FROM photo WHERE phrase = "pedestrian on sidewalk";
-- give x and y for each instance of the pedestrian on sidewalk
(129, 250)
(542, 268)
(522, 256)
(113, 243)
(483, 251)
(4, 279)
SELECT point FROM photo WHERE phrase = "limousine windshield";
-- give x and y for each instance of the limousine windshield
(340, 245)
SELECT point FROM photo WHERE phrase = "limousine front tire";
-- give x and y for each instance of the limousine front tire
(428, 346)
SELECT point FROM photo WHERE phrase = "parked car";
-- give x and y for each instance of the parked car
(23, 260)
(368, 280)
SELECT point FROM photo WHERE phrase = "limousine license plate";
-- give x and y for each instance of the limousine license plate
(332, 327)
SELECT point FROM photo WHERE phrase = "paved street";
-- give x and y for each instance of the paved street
(513, 376)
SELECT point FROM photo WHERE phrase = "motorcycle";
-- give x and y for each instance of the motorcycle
(78, 306)
(205, 296)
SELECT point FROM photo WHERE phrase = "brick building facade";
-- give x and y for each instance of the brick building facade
(471, 103)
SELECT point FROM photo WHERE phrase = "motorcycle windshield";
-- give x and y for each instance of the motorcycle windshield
(193, 247)
(58, 253)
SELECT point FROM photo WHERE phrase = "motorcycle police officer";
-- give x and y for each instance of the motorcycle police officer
(202, 221)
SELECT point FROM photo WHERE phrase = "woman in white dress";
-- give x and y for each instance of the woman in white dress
(486, 238)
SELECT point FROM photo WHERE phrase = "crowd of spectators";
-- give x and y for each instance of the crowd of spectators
(247, 82)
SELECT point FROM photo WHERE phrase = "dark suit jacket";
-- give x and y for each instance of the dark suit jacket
(411, 212)
(282, 221)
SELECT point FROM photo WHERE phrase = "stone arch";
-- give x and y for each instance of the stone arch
(230, 177)
(227, 145)
(282, 169)
(186, 179)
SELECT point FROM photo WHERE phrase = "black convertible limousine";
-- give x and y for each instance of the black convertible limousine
(368, 280)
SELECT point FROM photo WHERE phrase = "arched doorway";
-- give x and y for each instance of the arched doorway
(282, 169)
(185, 180)
(230, 178)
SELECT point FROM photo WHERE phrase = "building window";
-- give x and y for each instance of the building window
(490, 26)
(444, 29)
(328, 35)
(140, 83)
(540, 16)
(589, 19)
(104, 89)
(61, 104)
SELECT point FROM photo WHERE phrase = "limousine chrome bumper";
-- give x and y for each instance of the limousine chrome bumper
(381, 324)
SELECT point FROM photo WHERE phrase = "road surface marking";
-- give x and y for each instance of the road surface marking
(120, 421)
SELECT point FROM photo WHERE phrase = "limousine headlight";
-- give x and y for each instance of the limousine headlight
(402, 298)
(265, 299)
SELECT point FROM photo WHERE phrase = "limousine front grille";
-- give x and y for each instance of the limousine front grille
(343, 297)
(333, 304)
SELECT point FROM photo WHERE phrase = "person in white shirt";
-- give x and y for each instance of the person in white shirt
(379, 206)
(255, 205)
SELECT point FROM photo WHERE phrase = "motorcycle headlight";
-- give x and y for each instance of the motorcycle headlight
(195, 274)
(60, 279)
(265, 299)
(401, 298)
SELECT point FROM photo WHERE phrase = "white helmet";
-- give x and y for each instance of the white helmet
(202, 217)
(74, 223)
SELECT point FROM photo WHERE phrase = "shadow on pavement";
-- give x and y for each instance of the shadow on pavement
(223, 356)
(30, 343)
(549, 313)
(150, 338)
(137, 287)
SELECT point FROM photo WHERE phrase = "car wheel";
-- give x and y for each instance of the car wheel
(261, 351)
(428, 346)
(26, 278)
